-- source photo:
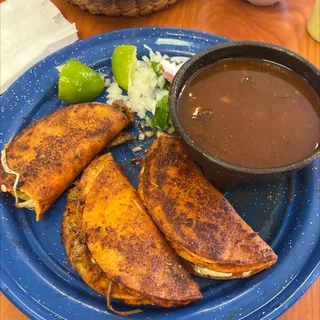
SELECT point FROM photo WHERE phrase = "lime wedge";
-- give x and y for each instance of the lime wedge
(124, 63)
(79, 83)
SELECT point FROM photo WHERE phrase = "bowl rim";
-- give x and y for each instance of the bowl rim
(174, 97)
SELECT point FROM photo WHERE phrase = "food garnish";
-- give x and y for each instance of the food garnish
(149, 84)
(161, 115)
(79, 83)
(124, 64)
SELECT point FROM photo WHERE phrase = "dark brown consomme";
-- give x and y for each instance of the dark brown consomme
(251, 112)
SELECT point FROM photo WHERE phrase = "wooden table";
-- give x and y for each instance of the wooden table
(283, 24)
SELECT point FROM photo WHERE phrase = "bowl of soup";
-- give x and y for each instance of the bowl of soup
(247, 111)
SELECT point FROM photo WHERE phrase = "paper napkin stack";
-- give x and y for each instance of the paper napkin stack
(30, 31)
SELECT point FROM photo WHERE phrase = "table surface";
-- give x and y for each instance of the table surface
(283, 24)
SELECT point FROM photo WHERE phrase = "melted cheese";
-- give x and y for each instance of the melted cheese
(211, 273)
(29, 204)
(9, 171)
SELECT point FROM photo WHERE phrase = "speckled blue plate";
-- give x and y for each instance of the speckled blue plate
(34, 273)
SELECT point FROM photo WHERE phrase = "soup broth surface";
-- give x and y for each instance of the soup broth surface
(251, 112)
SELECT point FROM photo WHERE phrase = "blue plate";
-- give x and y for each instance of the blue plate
(34, 273)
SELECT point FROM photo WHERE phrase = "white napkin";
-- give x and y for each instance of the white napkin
(30, 31)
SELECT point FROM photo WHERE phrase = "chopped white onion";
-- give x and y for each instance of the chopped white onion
(136, 149)
(149, 133)
(141, 137)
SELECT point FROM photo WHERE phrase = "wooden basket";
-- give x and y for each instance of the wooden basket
(129, 8)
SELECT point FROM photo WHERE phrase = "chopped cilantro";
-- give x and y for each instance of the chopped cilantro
(161, 115)
(148, 121)
(157, 67)
(154, 66)
(167, 85)
(173, 61)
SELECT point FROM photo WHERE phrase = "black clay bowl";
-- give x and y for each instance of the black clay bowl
(220, 172)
